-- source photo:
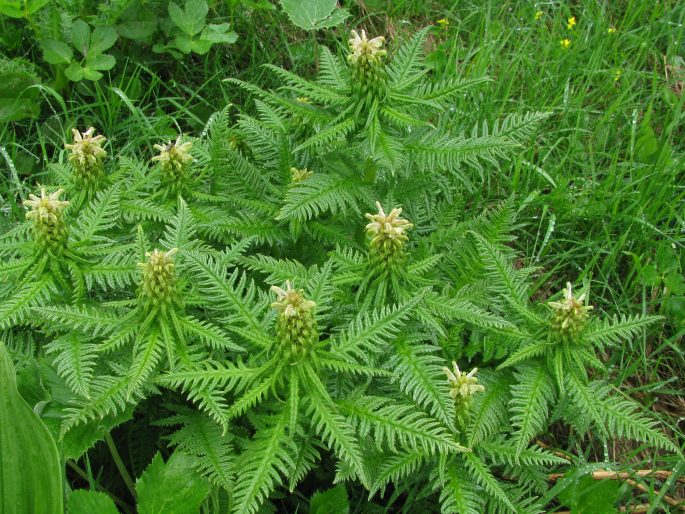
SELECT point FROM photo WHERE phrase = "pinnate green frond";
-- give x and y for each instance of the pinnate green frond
(488, 412)
(317, 93)
(101, 214)
(391, 423)
(330, 425)
(614, 415)
(502, 452)
(407, 63)
(370, 333)
(323, 192)
(75, 361)
(617, 330)
(224, 376)
(529, 404)
(458, 493)
(203, 438)
(484, 477)
(86, 319)
(17, 307)
(234, 293)
(332, 72)
(108, 396)
(394, 468)
(420, 376)
(181, 228)
(206, 332)
(263, 464)
(147, 355)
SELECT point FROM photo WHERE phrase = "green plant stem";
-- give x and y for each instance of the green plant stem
(120, 465)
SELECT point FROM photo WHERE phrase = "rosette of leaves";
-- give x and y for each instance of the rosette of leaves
(62, 260)
(554, 354)
(91, 45)
(151, 333)
(393, 128)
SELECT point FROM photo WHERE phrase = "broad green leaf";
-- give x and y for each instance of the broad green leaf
(219, 34)
(33, 6)
(138, 29)
(74, 72)
(314, 14)
(80, 36)
(184, 44)
(102, 39)
(190, 20)
(172, 487)
(21, 8)
(200, 46)
(333, 501)
(82, 501)
(56, 52)
(30, 468)
(101, 62)
(91, 74)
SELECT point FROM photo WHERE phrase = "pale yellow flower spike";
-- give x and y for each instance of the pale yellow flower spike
(539, 15)
(462, 385)
(174, 155)
(364, 49)
(46, 207)
(571, 22)
(565, 43)
(387, 226)
(86, 153)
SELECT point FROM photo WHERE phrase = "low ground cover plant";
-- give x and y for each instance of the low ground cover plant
(297, 308)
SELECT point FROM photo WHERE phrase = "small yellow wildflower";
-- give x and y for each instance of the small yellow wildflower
(538, 15)
(571, 22)
(611, 30)
(617, 75)
(565, 43)
(443, 23)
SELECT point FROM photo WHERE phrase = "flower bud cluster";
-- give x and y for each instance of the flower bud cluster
(462, 386)
(86, 155)
(368, 69)
(299, 175)
(570, 314)
(388, 235)
(296, 325)
(48, 220)
(174, 159)
(158, 284)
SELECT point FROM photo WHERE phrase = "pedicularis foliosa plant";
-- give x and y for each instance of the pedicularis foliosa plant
(296, 287)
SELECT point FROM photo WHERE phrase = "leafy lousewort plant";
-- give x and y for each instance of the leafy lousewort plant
(293, 292)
